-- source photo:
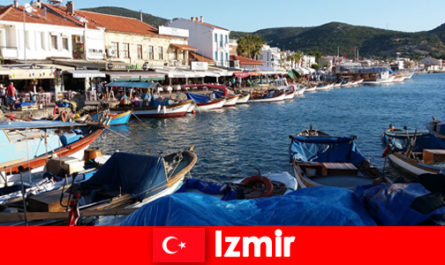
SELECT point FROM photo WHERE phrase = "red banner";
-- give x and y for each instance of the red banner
(222, 245)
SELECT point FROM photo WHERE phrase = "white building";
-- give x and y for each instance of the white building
(271, 57)
(211, 41)
(42, 34)
(308, 61)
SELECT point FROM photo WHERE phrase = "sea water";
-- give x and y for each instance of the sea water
(231, 142)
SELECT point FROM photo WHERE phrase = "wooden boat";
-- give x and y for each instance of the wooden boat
(175, 110)
(205, 103)
(231, 101)
(400, 139)
(313, 132)
(243, 99)
(271, 96)
(28, 145)
(300, 91)
(414, 163)
(113, 119)
(437, 128)
(330, 161)
(327, 87)
(124, 183)
(311, 89)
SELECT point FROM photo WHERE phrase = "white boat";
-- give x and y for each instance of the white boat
(412, 167)
(231, 101)
(311, 89)
(325, 88)
(289, 95)
(277, 98)
(171, 111)
(243, 99)
(357, 83)
(211, 105)
(382, 79)
(300, 92)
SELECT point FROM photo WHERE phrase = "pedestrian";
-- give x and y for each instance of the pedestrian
(2, 95)
(12, 95)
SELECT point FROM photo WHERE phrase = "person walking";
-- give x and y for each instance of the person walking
(11, 93)
(2, 95)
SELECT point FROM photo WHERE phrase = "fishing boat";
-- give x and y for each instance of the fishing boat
(357, 83)
(414, 164)
(322, 87)
(248, 188)
(330, 161)
(26, 146)
(313, 132)
(113, 119)
(289, 95)
(205, 103)
(400, 139)
(437, 128)
(270, 96)
(310, 89)
(123, 184)
(243, 99)
(230, 100)
(300, 91)
(382, 78)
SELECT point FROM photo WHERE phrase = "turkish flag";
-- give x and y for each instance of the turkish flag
(178, 245)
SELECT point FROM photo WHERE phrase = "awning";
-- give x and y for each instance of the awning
(184, 47)
(135, 76)
(291, 74)
(132, 84)
(241, 74)
(86, 73)
(27, 74)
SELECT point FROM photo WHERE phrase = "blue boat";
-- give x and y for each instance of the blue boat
(113, 119)
(330, 161)
(400, 139)
(437, 128)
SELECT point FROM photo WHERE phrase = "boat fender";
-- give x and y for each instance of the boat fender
(257, 178)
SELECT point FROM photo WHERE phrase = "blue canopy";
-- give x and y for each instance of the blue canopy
(132, 84)
(324, 206)
(138, 175)
(198, 98)
(325, 149)
(22, 125)
(218, 94)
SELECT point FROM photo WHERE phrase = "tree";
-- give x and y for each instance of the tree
(315, 66)
(250, 45)
(296, 57)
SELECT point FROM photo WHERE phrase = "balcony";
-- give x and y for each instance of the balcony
(9, 52)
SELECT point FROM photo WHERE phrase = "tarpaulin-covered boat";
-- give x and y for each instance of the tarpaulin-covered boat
(205, 103)
(331, 161)
(322, 206)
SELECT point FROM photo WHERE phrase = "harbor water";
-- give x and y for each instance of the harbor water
(231, 142)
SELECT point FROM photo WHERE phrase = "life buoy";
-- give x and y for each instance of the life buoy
(268, 192)
(64, 116)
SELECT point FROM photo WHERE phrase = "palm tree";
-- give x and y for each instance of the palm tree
(250, 45)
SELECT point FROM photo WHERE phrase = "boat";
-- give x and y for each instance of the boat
(322, 87)
(270, 96)
(437, 128)
(289, 95)
(381, 79)
(300, 91)
(205, 103)
(413, 163)
(267, 185)
(330, 161)
(357, 83)
(123, 184)
(312, 89)
(113, 118)
(243, 99)
(313, 132)
(26, 146)
(400, 139)
(230, 100)
(161, 111)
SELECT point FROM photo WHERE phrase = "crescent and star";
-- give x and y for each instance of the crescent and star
(165, 243)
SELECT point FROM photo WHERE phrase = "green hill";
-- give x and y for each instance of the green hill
(119, 11)
(371, 42)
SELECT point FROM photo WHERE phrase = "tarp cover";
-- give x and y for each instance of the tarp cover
(198, 98)
(325, 149)
(424, 140)
(324, 206)
(131, 173)
(402, 204)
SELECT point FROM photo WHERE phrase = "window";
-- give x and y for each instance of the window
(115, 48)
(161, 53)
(43, 41)
(54, 45)
(227, 56)
(65, 43)
(140, 52)
(216, 37)
(221, 41)
(222, 57)
(227, 39)
(216, 56)
(125, 50)
(151, 52)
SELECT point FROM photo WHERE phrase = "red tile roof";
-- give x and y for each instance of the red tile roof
(109, 22)
(199, 58)
(245, 61)
(184, 47)
(10, 13)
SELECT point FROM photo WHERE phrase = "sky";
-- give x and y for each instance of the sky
(252, 15)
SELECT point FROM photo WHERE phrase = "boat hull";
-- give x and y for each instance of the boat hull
(212, 105)
(231, 101)
(172, 111)
(243, 99)
(267, 100)
(120, 119)
(410, 166)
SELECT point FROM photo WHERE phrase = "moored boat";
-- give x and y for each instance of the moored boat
(230, 101)
(330, 161)
(243, 99)
(271, 96)
(113, 118)
(174, 110)
(322, 87)
(205, 103)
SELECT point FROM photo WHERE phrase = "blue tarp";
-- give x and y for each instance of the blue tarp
(210, 188)
(198, 98)
(129, 173)
(424, 140)
(324, 206)
(392, 204)
(219, 94)
(325, 149)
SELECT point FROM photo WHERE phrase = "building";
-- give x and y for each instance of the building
(39, 33)
(308, 60)
(244, 63)
(271, 57)
(211, 41)
(233, 47)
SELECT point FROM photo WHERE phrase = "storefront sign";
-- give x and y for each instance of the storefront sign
(200, 66)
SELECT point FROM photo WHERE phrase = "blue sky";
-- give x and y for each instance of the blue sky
(251, 15)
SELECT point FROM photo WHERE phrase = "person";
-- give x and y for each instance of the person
(100, 89)
(146, 97)
(2, 95)
(11, 94)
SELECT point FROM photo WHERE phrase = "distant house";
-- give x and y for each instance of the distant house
(271, 57)
(431, 64)
(41, 34)
(210, 40)
(245, 63)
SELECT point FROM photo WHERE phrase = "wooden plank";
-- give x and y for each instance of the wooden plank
(34, 216)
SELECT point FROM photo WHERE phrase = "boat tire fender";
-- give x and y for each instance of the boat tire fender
(257, 178)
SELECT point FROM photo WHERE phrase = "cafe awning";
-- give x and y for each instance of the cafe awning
(132, 84)
(28, 74)
(135, 76)
(291, 74)
(86, 73)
